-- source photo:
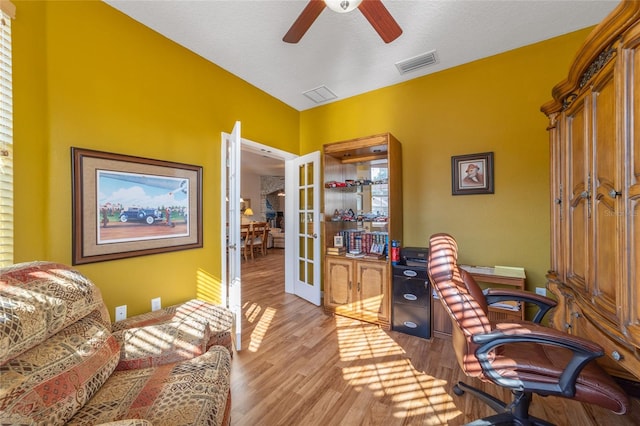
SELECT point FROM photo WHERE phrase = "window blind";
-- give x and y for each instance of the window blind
(7, 11)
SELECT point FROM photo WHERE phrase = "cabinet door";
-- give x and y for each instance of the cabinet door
(576, 132)
(593, 179)
(372, 285)
(556, 190)
(339, 284)
(630, 291)
(604, 266)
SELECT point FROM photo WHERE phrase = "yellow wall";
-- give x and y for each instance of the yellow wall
(488, 105)
(88, 76)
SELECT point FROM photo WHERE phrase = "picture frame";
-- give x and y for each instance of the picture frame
(338, 241)
(125, 206)
(472, 174)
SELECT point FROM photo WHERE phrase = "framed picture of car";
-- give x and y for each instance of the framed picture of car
(125, 206)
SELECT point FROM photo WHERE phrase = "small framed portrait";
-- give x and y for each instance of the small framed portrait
(338, 241)
(472, 174)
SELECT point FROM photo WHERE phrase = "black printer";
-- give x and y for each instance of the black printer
(414, 256)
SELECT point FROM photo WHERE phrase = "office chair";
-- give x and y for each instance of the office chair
(522, 356)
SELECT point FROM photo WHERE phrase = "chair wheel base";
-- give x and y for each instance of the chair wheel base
(515, 413)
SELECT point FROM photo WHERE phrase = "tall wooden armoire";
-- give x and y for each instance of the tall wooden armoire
(595, 192)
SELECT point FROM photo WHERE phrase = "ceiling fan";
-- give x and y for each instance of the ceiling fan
(375, 12)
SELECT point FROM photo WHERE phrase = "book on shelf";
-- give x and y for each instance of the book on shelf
(376, 256)
(336, 250)
(359, 239)
(355, 254)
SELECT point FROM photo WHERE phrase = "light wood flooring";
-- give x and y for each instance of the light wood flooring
(300, 366)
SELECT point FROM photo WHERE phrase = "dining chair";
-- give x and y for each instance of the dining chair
(246, 241)
(260, 237)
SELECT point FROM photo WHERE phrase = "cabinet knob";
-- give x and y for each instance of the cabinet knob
(613, 193)
(617, 356)
(584, 194)
(557, 201)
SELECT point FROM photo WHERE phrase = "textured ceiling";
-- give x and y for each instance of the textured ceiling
(342, 51)
(260, 164)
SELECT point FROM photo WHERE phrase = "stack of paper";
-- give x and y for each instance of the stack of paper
(511, 306)
(509, 271)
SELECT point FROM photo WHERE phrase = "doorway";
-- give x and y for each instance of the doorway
(301, 218)
(262, 187)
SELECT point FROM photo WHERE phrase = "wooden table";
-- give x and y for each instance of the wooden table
(503, 275)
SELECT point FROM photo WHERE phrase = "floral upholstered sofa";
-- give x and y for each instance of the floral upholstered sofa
(63, 362)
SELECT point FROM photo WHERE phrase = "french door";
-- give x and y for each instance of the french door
(230, 181)
(303, 261)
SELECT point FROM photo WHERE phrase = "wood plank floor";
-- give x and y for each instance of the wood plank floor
(300, 366)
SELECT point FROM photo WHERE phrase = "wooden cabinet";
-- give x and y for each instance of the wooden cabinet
(373, 292)
(595, 192)
(357, 288)
(338, 285)
(440, 319)
(362, 205)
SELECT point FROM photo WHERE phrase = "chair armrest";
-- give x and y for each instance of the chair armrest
(159, 344)
(512, 333)
(543, 303)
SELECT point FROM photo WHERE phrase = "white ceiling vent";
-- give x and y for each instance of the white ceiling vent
(320, 94)
(417, 62)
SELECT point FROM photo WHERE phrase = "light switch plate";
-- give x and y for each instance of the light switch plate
(541, 291)
(121, 312)
(156, 304)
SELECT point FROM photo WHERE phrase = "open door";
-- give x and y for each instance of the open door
(230, 181)
(303, 261)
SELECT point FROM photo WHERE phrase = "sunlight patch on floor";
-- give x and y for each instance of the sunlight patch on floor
(252, 312)
(260, 331)
(379, 365)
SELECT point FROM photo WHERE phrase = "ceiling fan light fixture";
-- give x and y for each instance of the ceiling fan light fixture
(342, 6)
(373, 10)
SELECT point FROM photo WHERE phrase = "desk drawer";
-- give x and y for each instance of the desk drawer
(411, 291)
(413, 320)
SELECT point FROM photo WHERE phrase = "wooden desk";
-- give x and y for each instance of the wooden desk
(503, 275)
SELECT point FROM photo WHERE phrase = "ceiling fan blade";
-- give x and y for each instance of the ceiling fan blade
(380, 19)
(308, 15)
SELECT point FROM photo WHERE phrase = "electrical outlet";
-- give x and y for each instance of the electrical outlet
(156, 304)
(541, 291)
(121, 312)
